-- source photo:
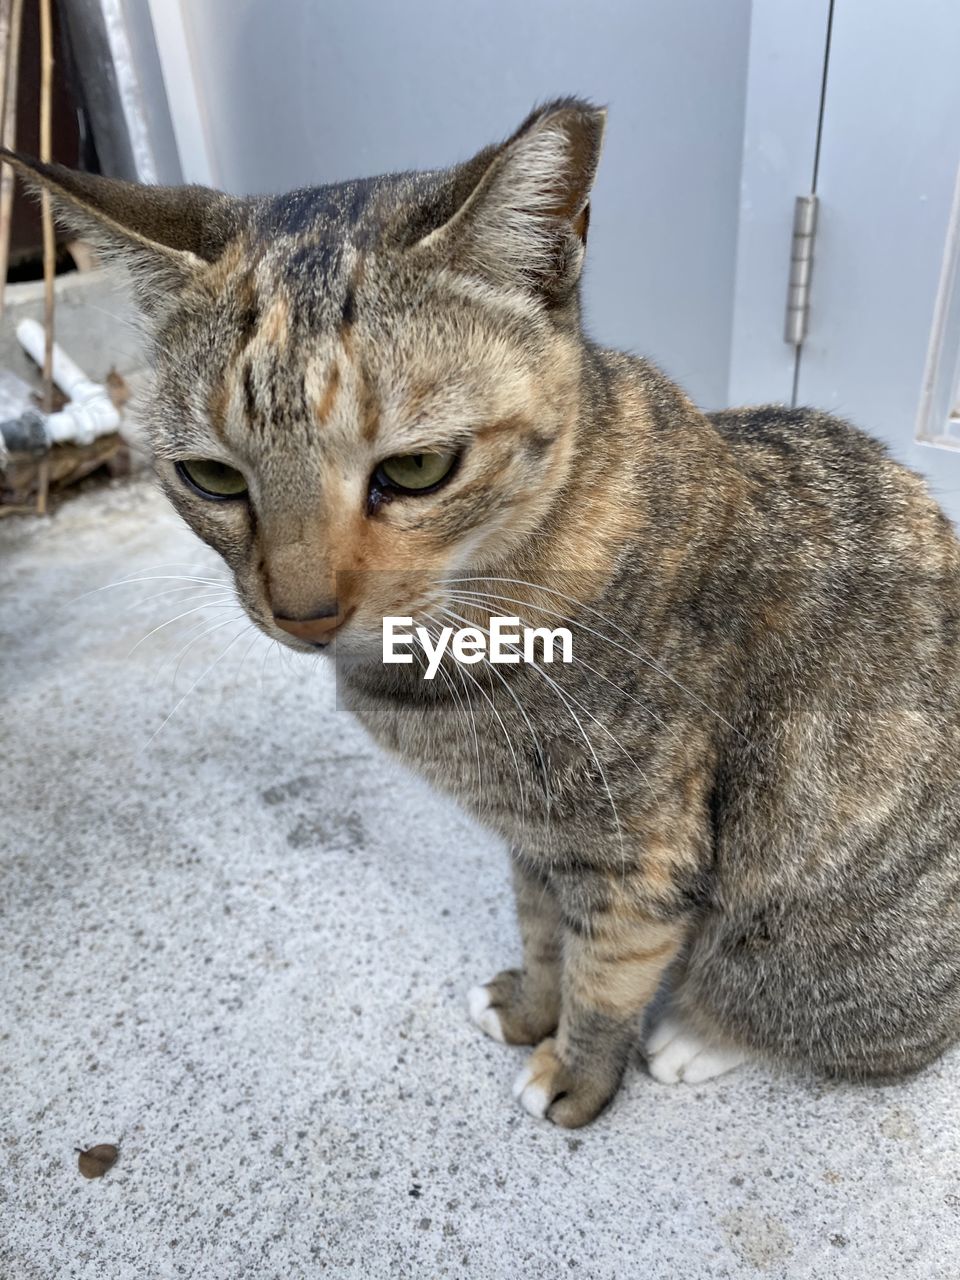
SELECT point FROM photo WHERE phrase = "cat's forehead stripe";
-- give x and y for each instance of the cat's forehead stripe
(249, 393)
(275, 325)
(323, 407)
(369, 414)
(348, 308)
(217, 404)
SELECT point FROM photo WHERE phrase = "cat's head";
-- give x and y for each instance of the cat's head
(367, 387)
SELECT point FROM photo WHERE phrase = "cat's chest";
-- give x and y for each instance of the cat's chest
(501, 762)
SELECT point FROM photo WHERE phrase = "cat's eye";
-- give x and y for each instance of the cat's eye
(212, 479)
(415, 472)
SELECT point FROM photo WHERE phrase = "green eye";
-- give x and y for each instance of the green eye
(415, 472)
(212, 479)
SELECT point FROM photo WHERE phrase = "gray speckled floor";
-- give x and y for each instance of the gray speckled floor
(240, 951)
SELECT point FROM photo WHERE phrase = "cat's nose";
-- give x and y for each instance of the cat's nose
(317, 628)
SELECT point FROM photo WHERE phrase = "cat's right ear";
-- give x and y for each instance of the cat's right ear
(164, 236)
(521, 210)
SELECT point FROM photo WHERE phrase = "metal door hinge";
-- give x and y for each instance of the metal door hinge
(801, 268)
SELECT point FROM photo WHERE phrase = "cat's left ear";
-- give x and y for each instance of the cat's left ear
(522, 209)
(164, 236)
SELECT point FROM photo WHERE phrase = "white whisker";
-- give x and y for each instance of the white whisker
(469, 707)
(268, 652)
(506, 733)
(567, 699)
(257, 634)
(201, 676)
(476, 597)
(202, 632)
(198, 591)
(163, 577)
(537, 744)
(644, 658)
(208, 604)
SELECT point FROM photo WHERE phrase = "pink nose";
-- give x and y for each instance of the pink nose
(316, 630)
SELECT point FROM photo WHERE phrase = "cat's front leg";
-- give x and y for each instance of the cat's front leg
(521, 1006)
(614, 957)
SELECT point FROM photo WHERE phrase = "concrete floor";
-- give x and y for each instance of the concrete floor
(236, 942)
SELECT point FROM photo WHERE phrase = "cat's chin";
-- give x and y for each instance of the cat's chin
(366, 673)
(348, 648)
(354, 653)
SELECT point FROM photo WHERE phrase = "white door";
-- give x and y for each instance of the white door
(882, 346)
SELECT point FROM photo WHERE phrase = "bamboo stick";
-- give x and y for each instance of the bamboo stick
(46, 211)
(49, 236)
(5, 10)
(5, 7)
(10, 141)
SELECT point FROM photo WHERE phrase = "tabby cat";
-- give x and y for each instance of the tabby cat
(376, 398)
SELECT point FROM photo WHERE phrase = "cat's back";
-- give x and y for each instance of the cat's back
(844, 506)
(837, 812)
(849, 598)
(818, 457)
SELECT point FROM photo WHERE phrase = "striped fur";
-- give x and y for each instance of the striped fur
(746, 783)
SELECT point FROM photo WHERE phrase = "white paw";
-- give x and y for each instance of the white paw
(487, 1019)
(531, 1092)
(675, 1053)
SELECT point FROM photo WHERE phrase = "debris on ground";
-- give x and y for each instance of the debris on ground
(96, 1161)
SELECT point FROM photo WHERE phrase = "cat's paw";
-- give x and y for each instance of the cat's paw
(483, 1014)
(505, 1011)
(548, 1089)
(675, 1053)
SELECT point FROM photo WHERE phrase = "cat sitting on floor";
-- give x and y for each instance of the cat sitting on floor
(376, 398)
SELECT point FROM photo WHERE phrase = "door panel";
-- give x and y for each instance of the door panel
(889, 152)
(788, 44)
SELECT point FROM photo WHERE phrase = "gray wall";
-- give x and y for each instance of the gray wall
(156, 124)
(295, 91)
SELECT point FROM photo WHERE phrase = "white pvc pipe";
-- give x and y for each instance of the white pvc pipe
(90, 413)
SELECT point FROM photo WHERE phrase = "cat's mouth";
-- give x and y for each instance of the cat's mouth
(318, 632)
